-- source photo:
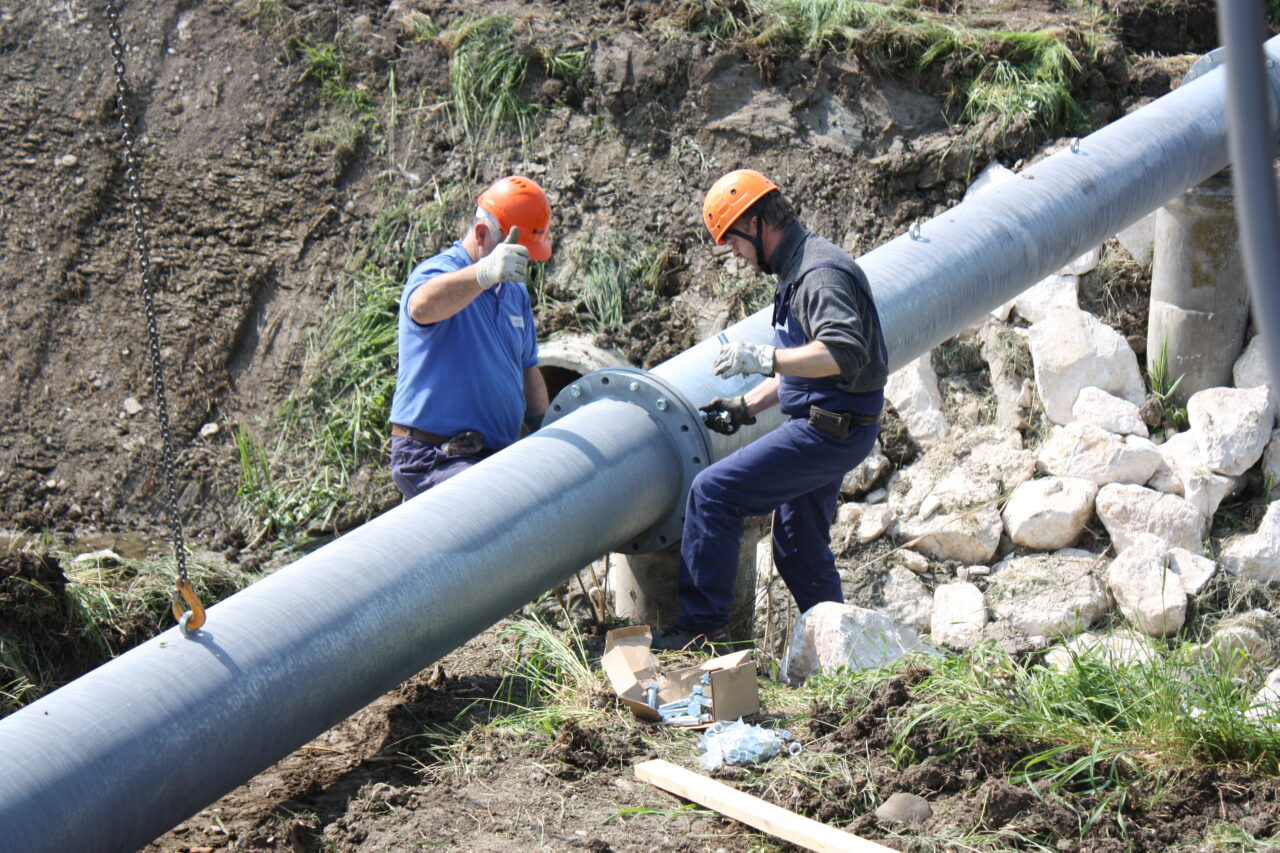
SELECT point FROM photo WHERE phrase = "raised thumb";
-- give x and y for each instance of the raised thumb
(513, 236)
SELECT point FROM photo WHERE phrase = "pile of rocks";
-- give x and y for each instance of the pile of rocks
(1006, 519)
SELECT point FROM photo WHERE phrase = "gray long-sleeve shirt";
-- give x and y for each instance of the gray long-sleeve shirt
(829, 307)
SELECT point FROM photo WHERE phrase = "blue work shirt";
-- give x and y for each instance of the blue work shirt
(466, 371)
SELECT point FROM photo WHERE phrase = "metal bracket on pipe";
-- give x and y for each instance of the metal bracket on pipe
(669, 408)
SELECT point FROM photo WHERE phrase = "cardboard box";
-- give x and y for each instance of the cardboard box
(631, 666)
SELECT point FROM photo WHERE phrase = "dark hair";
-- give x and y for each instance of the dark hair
(773, 209)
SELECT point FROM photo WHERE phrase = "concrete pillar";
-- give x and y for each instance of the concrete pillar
(1199, 299)
(645, 585)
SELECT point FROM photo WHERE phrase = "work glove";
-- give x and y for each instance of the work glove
(726, 414)
(507, 262)
(743, 357)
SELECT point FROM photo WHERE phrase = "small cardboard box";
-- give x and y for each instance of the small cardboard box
(631, 666)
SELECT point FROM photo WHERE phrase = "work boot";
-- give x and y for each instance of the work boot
(677, 639)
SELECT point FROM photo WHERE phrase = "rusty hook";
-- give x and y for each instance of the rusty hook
(188, 621)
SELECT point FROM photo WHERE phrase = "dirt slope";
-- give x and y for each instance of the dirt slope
(251, 221)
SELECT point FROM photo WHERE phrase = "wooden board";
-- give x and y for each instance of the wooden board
(754, 811)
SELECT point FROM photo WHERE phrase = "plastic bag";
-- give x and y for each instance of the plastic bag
(739, 744)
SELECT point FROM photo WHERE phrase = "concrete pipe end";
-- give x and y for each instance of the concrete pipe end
(567, 358)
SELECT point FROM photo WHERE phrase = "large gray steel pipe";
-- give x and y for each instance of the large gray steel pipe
(119, 756)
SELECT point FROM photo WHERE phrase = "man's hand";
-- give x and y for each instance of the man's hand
(726, 414)
(743, 357)
(507, 262)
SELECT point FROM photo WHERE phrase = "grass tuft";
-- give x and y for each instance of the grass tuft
(266, 13)
(551, 681)
(617, 270)
(486, 73)
(326, 63)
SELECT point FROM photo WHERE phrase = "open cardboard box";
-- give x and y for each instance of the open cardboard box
(631, 666)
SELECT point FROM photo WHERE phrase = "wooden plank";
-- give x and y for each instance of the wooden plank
(754, 811)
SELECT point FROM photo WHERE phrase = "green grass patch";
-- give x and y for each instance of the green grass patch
(490, 63)
(62, 617)
(744, 297)
(617, 273)
(551, 680)
(326, 63)
(1164, 385)
(995, 74)
(336, 423)
(486, 73)
(1098, 726)
(270, 14)
(1030, 76)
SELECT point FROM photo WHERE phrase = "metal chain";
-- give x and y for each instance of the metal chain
(148, 288)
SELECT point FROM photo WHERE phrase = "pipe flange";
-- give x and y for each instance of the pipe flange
(669, 408)
(1205, 64)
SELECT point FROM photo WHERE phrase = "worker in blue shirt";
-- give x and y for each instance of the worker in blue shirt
(826, 369)
(468, 376)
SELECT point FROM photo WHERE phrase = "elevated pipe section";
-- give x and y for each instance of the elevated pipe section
(119, 756)
(1251, 82)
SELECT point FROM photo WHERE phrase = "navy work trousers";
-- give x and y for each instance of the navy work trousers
(794, 472)
(417, 466)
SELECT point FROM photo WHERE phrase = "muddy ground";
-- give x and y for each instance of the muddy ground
(251, 223)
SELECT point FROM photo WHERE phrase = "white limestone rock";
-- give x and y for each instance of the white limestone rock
(1267, 701)
(847, 514)
(1001, 345)
(1046, 596)
(913, 392)
(874, 523)
(907, 600)
(830, 635)
(1071, 349)
(1139, 239)
(867, 475)
(1193, 570)
(1183, 472)
(915, 562)
(1127, 511)
(1255, 634)
(1035, 303)
(945, 504)
(1271, 459)
(1088, 262)
(1251, 371)
(971, 536)
(1148, 594)
(1091, 453)
(989, 177)
(959, 615)
(1232, 427)
(1050, 513)
(1118, 649)
(1257, 555)
(1105, 410)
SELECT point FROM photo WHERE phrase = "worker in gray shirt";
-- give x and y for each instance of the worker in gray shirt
(826, 369)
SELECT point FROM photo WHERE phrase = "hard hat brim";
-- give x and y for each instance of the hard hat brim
(539, 248)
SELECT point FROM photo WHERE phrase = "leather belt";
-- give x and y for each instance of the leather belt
(837, 423)
(418, 434)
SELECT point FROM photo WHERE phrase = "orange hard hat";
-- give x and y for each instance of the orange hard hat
(729, 198)
(521, 202)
